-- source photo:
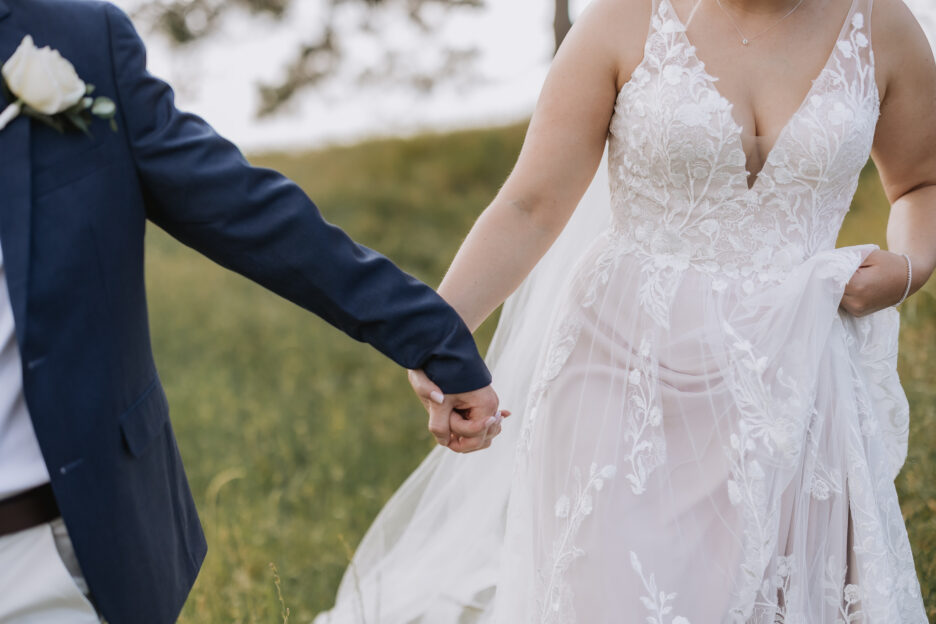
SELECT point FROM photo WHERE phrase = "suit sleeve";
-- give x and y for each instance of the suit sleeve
(201, 190)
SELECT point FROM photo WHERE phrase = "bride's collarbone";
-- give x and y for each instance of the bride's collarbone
(795, 49)
(766, 81)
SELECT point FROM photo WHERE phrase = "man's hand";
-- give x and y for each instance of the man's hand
(463, 422)
(878, 284)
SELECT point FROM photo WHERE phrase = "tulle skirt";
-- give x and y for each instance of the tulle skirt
(703, 448)
(686, 447)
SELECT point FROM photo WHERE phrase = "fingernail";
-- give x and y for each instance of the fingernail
(491, 421)
(437, 397)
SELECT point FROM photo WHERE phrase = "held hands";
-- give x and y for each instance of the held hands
(878, 283)
(464, 422)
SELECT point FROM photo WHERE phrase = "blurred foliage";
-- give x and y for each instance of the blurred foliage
(294, 436)
(422, 62)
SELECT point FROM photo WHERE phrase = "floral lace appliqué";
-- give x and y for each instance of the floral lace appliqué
(571, 510)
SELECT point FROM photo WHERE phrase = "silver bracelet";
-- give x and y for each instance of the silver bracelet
(909, 280)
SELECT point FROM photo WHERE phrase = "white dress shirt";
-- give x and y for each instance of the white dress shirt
(21, 463)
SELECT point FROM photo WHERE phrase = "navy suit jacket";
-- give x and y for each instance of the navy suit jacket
(73, 211)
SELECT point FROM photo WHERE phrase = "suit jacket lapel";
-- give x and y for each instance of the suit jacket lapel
(15, 195)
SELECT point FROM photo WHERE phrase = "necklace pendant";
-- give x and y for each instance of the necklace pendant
(745, 41)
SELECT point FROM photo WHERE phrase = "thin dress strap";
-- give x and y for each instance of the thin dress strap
(857, 31)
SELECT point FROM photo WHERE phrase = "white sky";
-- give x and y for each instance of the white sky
(217, 79)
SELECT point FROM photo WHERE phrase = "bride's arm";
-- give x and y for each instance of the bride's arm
(560, 155)
(905, 155)
(905, 146)
(905, 151)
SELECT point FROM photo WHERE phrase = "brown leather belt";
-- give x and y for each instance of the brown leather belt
(27, 510)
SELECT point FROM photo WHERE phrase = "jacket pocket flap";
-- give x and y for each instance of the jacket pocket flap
(145, 419)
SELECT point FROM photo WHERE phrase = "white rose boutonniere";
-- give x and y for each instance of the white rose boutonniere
(43, 85)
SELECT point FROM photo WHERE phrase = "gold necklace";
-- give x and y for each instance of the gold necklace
(745, 40)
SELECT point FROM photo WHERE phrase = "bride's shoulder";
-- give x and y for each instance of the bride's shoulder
(895, 30)
(621, 16)
(620, 28)
(901, 48)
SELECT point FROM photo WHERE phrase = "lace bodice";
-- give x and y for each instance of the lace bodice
(677, 166)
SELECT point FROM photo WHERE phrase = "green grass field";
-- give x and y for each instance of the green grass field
(294, 436)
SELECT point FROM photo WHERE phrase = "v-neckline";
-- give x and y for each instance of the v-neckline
(737, 127)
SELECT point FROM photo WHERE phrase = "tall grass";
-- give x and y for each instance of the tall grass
(294, 436)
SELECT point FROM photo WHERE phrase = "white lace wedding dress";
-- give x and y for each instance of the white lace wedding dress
(706, 436)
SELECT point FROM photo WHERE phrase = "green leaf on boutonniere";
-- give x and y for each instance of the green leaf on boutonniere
(56, 122)
(78, 120)
(78, 116)
(104, 108)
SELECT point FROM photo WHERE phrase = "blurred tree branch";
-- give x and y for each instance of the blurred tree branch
(325, 55)
(562, 22)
